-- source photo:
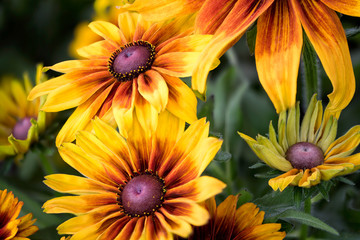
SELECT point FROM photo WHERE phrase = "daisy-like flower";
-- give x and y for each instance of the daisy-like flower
(144, 187)
(231, 223)
(135, 70)
(308, 153)
(21, 121)
(12, 227)
(279, 40)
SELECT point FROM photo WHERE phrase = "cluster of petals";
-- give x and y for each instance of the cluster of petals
(11, 227)
(316, 128)
(109, 161)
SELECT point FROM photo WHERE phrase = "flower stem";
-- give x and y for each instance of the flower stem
(305, 228)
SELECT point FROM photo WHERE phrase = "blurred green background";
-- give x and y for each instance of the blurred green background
(40, 31)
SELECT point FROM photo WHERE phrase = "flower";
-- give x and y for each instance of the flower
(308, 153)
(160, 10)
(227, 222)
(143, 186)
(21, 122)
(135, 70)
(12, 227)
(279, 40)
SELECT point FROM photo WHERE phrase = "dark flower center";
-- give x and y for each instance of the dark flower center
(142, 195)
(130, 60)
(304, 155)
(21, 128)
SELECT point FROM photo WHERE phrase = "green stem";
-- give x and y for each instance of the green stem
(45, 163)
(305, 228)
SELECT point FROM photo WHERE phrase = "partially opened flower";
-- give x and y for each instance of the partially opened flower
(279, 40)
(228, 222)
(144, 186)
(12, 227)
(135, 70)
(21, 121)
(307, 153)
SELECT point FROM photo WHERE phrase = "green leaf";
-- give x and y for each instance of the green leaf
(307, 219)
(257, 165)
(298, 196)
(222, 156)
(350, 32)
(244, 196)
(347, 181)
(251, 39)
(310, 69)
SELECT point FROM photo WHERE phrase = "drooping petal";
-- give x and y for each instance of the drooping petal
(284, 180)
(347, 7)
(310, 178)
(182, 101)
(153, 88)
(241, 16)
(277, 53)
(327, 35)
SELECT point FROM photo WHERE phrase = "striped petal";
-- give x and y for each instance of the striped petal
(347, 7)
(154, 230)
(277, 53)
(182, 101)
(152, 86)
(327, 35)
(241, 16)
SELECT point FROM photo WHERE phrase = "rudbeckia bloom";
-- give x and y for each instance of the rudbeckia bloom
(12, 227)
(21, 121)
(307, 153)
(229, 223)
(134, 70)
(146, 187)
(279, 40)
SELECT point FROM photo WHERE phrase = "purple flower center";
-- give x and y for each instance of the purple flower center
(21, 128)
(130, 60)
(304, 155)
(142, 195)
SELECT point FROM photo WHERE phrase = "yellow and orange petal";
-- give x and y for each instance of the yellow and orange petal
(108, 85)
(307, 153)
(12, 227)
(229, 222)
(277, 60)
(21, 121)
(165, 167)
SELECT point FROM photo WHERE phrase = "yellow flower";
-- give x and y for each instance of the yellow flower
(308, 153)
(146, 187)
(160, 10)
(21, 122)
(227, 222)
(12, 227)
(279, 40)
(135, 70)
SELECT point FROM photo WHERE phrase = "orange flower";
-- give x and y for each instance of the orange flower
(12, 227)
(227, 222)
(280, 25)
(142, 187)
(135, 70)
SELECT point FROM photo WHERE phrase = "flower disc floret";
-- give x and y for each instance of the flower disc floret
(130, 60)
(142, 195)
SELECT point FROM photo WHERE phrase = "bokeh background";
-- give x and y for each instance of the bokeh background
(41, 31)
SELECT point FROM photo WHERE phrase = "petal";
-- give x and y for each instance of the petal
(153, 88)
(225, 218)
(79, 204)
(127, 22)
(80, 65)
(240, 17)
(100, 49)
(277, 53)
(310, 178)
(347, 7)
(120, 228)
(77, 185)
(187, 210)
(108, 31)
(198, 189)
(329, 171)
(77, 92)
(192, 43)
(155, 230)
(174, 224)
(81, 117)
(248, 215)
(284, 180)
(344, 145)
(182, 101)
(176, 64)
(327, 35)
(146, 114)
